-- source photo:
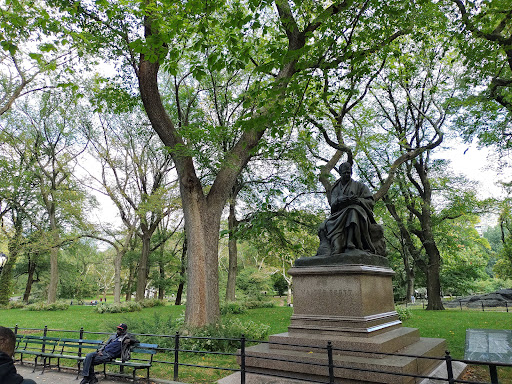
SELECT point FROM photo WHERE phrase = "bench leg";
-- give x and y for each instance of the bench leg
(44, 365)
(35, 364)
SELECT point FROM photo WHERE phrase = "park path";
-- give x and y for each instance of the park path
(52, 376)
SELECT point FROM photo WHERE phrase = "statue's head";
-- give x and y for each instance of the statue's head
(345, 171)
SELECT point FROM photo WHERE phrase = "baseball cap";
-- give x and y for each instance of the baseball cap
(122, 326)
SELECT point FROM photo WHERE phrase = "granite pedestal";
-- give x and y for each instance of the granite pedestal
(351, 306)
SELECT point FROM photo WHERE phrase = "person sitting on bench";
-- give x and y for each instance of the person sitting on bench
(111, 350)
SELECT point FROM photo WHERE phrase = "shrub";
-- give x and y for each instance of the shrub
(224, 337)
(232, 307)
(149, 303)
(404, 313)
(15, 305)
(259, 304)
(42, 306)
(279, 283)
(128, 306)
(252, 283)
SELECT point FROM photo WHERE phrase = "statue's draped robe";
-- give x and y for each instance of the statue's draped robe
(359, 214)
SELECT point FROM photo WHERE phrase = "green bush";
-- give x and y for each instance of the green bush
(279, 283)
(226, 335)
(15, 305)
(223, 337)
(232, 307)
(404, 313)
(252, 284)
(42, 306)
(252, 304)
(128, 306)
(149, 303)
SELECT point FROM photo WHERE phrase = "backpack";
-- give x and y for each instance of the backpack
(126, 349)
(126, 352)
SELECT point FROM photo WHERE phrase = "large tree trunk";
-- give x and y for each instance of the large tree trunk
(30, 280)
(54, 255)
(409, 275)
(426, 236)
(181, 284)
(161, 289)
(233, 254)
(433, 273)
(54, 275)
(202, 223)
(142, 273)
(128, 296)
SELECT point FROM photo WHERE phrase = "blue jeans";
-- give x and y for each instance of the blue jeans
(92, 359)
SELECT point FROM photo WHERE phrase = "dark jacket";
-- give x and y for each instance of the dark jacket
(8, 374)
(124, 345)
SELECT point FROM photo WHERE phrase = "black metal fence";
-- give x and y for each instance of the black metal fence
(175, 355)
(477, 305)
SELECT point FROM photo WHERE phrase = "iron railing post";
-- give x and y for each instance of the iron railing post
(494, 374)
(330, 362)
(16, 329)
(449, 367)
(45, 332)
(483, 308)
(81, 336)
(176, 355)
(242, 359)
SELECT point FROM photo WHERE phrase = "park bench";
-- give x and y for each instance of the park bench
(48, 348)
(142, 358)
(37, 346)
(71, 349)
(19, 338)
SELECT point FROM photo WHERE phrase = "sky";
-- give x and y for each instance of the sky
(481, 165)
(478, 164)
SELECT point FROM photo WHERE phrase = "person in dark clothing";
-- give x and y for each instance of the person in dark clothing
(8, 374)
(111, 350)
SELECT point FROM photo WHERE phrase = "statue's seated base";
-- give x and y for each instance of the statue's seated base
(353, 256)
(351, 306)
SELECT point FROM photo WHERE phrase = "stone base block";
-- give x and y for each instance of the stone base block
(300, 365)
(354, 300)
(440, 371)
(388, 342)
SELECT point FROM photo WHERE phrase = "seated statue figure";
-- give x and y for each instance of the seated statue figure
(350, 234)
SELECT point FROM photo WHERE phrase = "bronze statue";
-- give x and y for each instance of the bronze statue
(350, 234)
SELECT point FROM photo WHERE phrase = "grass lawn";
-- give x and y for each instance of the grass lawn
(450, 325)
